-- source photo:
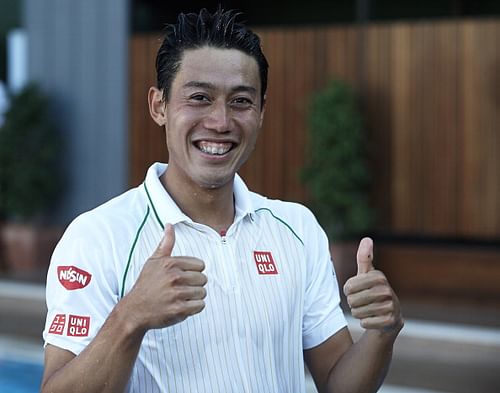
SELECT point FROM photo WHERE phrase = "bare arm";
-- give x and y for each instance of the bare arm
(337, 365)
(104, 366)
(168, 290)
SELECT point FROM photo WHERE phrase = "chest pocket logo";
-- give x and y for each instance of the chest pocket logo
(265, 262)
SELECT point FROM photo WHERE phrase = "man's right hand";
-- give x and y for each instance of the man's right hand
(169, 289)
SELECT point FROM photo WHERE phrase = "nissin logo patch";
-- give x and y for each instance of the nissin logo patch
(72, 277)
(265, 262)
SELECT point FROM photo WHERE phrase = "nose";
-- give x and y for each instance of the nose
(218, 118)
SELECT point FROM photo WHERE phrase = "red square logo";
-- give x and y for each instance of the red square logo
(265, 262)
(78, 326)
(58, 324)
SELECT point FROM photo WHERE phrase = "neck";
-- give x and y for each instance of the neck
(211, 207)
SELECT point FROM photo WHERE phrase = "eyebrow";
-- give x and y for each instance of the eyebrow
(210, 86)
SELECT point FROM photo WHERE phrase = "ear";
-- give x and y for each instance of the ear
(262, 110)
(157, 107)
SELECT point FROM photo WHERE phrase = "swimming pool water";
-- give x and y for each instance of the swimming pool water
(20, 377)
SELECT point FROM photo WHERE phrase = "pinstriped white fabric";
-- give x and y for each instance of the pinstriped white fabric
(251, 324)
(251, 334)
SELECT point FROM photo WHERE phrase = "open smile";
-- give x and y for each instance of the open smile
(214, 148)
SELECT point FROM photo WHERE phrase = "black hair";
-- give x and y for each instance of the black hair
(219, 30)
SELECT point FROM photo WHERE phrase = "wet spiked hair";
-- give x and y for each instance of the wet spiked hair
(218, 30)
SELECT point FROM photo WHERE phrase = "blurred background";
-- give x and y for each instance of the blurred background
(382, 116)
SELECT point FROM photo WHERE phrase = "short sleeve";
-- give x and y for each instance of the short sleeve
(323, 316)
(82, 288)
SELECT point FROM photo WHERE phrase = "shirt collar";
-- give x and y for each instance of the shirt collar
(167, 211)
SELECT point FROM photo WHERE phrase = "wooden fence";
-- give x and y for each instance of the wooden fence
(430, 93)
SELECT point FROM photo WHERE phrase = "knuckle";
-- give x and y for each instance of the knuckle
(183, 311)
(176, 294)
(174, 277)
(386, 307)
(176, 309)
(390, 320)
(380, 279)
(167, 262)
(384, 292)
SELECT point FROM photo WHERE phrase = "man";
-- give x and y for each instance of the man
(190, 282)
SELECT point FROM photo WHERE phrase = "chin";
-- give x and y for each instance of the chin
(213, 184)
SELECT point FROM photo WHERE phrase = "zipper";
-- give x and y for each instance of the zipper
(223, 236)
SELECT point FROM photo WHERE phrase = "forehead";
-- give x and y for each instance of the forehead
(218, 66)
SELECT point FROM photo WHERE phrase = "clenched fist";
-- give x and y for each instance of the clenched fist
(169, 288)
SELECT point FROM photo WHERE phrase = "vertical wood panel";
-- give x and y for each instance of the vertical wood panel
(147, 141)
(401, 143)
(300, 87)
(480, 165)
(275, 131)
(442, 170)
(377, 107)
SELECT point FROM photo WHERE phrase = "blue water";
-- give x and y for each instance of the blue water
(20, 377)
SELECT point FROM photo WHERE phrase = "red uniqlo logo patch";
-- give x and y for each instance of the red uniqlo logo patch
(78, 326)
(72, 277)
(265, 262)
(58, 324)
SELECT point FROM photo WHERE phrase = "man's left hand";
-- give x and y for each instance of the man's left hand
(370, 296)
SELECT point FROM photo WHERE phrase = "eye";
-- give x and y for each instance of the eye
(242, 102)
(199, 97)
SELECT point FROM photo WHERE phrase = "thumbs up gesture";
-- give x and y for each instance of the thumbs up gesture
(169, 288)
(370, 296)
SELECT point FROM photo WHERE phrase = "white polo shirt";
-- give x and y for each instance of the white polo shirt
(271, 290)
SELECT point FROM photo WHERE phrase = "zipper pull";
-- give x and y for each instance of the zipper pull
(223, 236)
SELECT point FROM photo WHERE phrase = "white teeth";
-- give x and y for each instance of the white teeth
(214, 148)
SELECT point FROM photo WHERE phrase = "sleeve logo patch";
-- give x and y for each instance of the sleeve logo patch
(78, 326)
(264, 262)
(72, 277)
(58, 324)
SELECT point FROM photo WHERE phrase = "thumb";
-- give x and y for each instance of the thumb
(365, 256)
(167, 242)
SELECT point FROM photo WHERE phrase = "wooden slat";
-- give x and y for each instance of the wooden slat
(400, 130)
(441, 135)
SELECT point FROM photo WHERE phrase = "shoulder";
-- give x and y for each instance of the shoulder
(295, 215)
(293, 211)
(117, 218)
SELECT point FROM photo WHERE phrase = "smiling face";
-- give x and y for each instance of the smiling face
(212, 117)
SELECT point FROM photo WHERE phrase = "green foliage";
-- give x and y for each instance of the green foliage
(337, 174)
(29, 149)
